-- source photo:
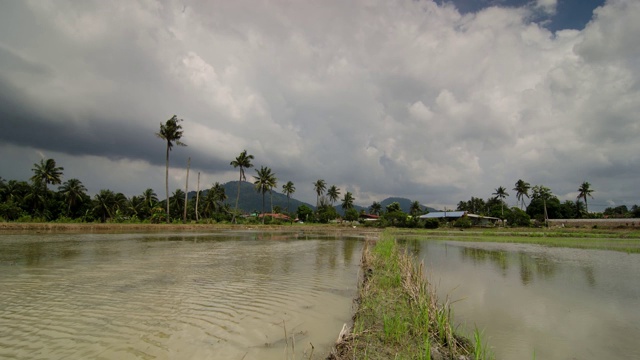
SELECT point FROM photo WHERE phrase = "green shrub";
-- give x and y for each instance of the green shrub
(431, 223)
(463, 222)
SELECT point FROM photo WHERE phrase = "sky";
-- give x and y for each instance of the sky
(435, 101)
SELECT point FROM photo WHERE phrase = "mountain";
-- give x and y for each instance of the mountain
(405, 204)
(251, 200)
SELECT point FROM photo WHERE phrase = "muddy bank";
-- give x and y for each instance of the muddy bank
(111, 227)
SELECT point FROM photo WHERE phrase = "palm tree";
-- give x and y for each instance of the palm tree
(243, 161)
(288, 189)
(333, 193)
(415, 209)
(544, 193)
(177, 202)
(150, 198)
(170, 132)
(583, 191)
(501, 193)
(47, 173)
(36, 199)
(347, 201)
(522, 190)
(265, 181)
(135, 206)
(104, 204)
(15, 191)
(218, 196)
(319, 186)
(73, 191)
(375, 208)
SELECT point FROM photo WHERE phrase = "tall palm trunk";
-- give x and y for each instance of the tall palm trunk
(186, 192)
(166, 181)
(263, 208)
(198, 197)
(237, 199)
(586, 206)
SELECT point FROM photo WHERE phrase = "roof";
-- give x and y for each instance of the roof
(454, 215)
(482, 217)
(443, 214)
(274, 215)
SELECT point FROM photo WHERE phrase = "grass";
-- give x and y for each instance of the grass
(609, 239)
(398, 315)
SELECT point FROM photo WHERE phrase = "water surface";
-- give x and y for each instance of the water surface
(173, 296)
(556, 303)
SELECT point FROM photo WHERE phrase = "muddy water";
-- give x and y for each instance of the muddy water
(173, 296)
(539, 302)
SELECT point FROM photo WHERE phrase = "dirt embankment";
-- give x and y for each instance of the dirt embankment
(111, 227)
(599, 223)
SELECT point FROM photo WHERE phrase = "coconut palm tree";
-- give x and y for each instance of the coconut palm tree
(544, 193)
(15, 191)
(47, 173)
(265, 181)
(219, 196)
(177, 202)
(104, 204)
(288, 189)
(171, 133)
(415, 209)
(501, 193)
(522, 190)
(347, 201)
(375, 208)
(243, 161)
(583, 191)
(73, 191)
(319, 186)
(150, 198)
(36, 199)
(135, 206)
(333, 193)
(214, 199)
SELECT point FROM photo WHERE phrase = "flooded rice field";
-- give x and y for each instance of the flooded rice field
(540, 302)
(227, 295)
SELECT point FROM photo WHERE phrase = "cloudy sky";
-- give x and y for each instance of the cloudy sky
(436, 101)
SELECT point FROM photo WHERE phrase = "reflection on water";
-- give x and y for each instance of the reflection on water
(173, 296)
(554, 302)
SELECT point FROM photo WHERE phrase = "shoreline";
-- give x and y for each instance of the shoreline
(124, 227)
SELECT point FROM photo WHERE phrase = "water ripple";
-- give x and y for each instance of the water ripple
(160, 297)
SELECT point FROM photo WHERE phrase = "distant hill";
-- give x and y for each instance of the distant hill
(405, 204)
(251, 200)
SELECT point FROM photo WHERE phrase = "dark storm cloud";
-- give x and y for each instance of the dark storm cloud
(26, 124)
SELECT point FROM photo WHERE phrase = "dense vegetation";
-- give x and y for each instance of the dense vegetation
(36, 201)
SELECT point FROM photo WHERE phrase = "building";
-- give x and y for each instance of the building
(476, 220)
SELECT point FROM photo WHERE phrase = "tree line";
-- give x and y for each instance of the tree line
(543, 205)
(35, 201)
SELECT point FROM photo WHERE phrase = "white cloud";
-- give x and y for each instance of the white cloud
(548, 6)
(387, 98)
